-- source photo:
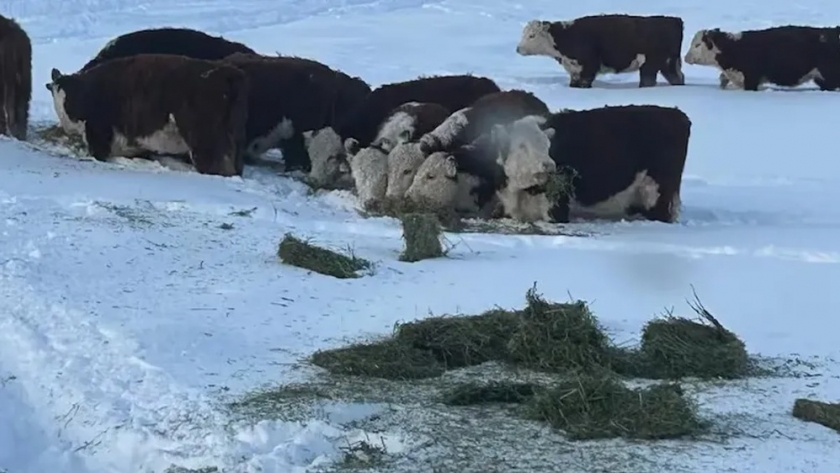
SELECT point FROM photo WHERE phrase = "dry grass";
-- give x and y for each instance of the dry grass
(296, 252)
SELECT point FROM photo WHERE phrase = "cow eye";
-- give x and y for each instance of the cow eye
(406, 172)
(430, 176)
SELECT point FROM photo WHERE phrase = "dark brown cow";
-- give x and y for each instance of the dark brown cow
(614, 43)
(157, 103)
(15, 78)
(788, 56)
(290, 96)
(181, 41)
(628, 161)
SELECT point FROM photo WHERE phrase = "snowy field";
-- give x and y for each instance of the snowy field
(127, 314)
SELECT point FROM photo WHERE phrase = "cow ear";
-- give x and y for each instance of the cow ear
(451, 169)
(55, 74)
(549, 132)
(351, 146)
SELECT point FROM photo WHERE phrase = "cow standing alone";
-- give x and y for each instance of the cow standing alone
(788, 56)
(596, 44)
(15, 78)
(157, 103)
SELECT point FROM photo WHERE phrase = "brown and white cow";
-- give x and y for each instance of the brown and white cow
(787, 56)
(168, 40)
(157, 104)
(627, 161)
(614, 43)
(508, 166)
(15, 78)
(290, 96)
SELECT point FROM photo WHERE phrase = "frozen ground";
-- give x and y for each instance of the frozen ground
(125, 309)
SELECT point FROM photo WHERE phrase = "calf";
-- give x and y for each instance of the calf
(156, 103)
(788, 56)
(510, 165)
(461, 128)
(289, 96)
(591, 45)
(15, 78)
(627, 161)
(180, 41)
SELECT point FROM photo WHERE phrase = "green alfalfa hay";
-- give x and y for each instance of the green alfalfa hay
(296, 252)
(677, 347)
(558, 337)
(561, 184)
(421, 234)
(461, 341)
(386, 359)
(474, 393)
(599, 407)
(823, 413)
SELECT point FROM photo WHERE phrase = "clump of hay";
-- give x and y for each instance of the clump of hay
(561, 184)
(676, 347)
(824, 413)
(558, 337)
(55, 135)
(459, 342)
(448, 217)
(598, 407)
(387, 359)
(421, 233)
(296, 252)
(473, 393)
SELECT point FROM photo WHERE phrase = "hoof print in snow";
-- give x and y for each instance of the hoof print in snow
(296, 252)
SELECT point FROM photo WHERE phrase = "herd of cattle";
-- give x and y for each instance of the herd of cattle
(453, 141)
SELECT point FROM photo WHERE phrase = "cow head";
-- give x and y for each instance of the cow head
(536, 40)
(68, 99)
(704, 49)
(369, 168)
(329, 159)
(523, 152)
(403, 162)
(399, 128)
(439, 186)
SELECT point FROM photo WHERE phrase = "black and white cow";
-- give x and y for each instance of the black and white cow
(788, 56)
(597, 44)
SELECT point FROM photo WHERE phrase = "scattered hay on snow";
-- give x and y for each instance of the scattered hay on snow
(387, 359)
(296, 252)
(598, 407)
(824, 413)
(421, 233)
(473, 393)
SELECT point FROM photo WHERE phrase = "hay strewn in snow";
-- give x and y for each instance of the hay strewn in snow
(296, 252)
(421, 234)
(824, 413)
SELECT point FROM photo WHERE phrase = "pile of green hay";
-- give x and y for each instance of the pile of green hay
(296, 252)
(421, 233)
(676, 348)
(388, 359)
(824, 413)
(594, 407)
(561, 184)
(470, 394)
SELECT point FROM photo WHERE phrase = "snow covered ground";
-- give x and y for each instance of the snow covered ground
(125, 308)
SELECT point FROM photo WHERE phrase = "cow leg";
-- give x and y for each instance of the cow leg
(672, 72)
(585, 78)
(724, 81)
(559, 212)
(295, 155)
(647, 75)
(751, 82)
(99, 140)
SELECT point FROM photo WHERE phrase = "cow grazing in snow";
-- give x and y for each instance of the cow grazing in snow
(157, 104)
(180, 41)
(627, 161)
(461, 128)
(614, 43)
(507, 167)
(290, 96)
(15, 78)
(788, 56)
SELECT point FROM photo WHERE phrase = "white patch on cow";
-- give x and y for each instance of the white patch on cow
(642, 192)
(398, 128)
(369, 168)
(329, 161)
(536, 40)
(634, 65)
(444, 134)
(67, 124)
(675, 207)
(528, 167)
(699, 54)
(167, 140)
(282, 131)
(403, 162)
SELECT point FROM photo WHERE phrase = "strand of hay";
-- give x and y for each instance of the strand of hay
(421, 233)
(676, 347)
(601, 407)
(388, 359)
(469, 394)
(824, 413)
(296, 252)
